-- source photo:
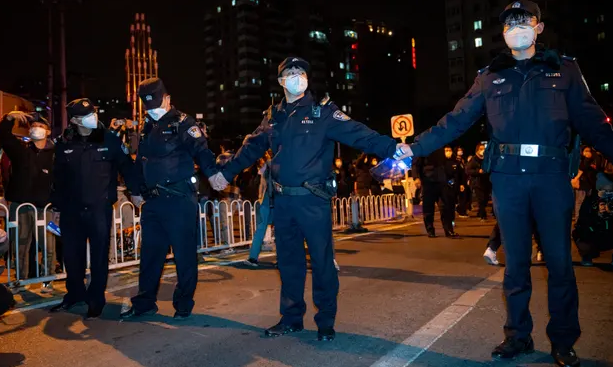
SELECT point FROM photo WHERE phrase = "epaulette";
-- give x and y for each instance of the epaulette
(569, 58)
(483, 70)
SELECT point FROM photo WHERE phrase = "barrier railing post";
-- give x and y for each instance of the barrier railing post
(356, 225)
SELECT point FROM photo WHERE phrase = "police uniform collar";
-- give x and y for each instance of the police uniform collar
(505, 59)
(171, 116)
(307, 100)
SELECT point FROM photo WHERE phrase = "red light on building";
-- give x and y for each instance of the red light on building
(354, 46)
(413, 53)
(608, 119)
(357, 68)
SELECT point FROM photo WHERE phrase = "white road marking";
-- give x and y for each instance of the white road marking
(201, 267)
(414, 346)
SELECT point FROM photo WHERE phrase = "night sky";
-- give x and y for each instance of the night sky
(97, 36)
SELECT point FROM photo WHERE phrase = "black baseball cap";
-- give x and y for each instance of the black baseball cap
(294, 61)
(521, 7)
(80, 107)
(151, 92)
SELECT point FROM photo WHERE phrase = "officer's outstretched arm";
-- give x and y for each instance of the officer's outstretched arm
(587, 116)
(466, 112)
(128, 170)
(254, 147)
(58, 185)
(192, 137)
(344, 129)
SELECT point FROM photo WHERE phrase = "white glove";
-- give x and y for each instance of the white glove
(137, 201)
(218, 182)
(403, 151)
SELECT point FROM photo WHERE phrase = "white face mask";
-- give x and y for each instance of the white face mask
(90, 121)
(296, 84)
(520, 37)
(38, 133)
(157, 113)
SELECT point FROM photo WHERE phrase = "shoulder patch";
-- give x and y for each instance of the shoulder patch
(339, 115)
(195, 132)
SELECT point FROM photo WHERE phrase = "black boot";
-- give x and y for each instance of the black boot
(134, 313)
(565, 357)
(282, 329)
(93, 312)
(64, 306)
(510, 348)
(452, 235)
(326, 334)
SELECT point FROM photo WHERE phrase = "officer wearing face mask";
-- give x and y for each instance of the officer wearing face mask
(533, 98)
(88, 159)
(170, 143)
(302, 133)
(31, 178)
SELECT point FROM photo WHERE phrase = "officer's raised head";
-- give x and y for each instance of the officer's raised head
(480, 151)
(293, 77)
(82, 113)
(156, 99)
(521, 25)
(40, 129)
(448, 152)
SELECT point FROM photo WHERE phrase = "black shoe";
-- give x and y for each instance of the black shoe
(282, 329)
(431, 234)
(565, 357)
(133, 313)
(94, 312)
(182, 315)
(452, 235)
(326, 334)
(64, 306)
(510, 348)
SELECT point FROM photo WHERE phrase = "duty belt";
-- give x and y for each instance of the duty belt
(531, 150)
(290, 191)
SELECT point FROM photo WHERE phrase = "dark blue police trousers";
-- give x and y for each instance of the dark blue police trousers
(297, 218)
(78, 226)
(548, 200)
(168, 221)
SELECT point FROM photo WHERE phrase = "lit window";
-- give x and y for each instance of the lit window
(222, 110)
(350, 76)
(253, 81)
(341, 66)
(382, 29)
(233, 2)
(604, 87)
(220, 86)
(220, 42)
(344, 108)
(350, 86)
(478, 42)
(585, 20)
(390, 33)
(344, 86)
(265, 61)
(101, 111)
(399, 60)
(219, 9)
(601, 36)
(453, 45)
(260, 81)
(318, 36)
(236, 83)
(349, 109)
(478, 25)
(331, 74)
(370, 28)
(338, 86)
(389, 55)
(351, 34)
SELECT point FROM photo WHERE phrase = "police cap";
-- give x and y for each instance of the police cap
(151, 92)
(521, 7)
(293, 61)
(80, 107)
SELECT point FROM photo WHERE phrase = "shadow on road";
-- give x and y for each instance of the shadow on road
(11, 359)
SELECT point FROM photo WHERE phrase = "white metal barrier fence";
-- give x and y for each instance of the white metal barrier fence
(223, 225)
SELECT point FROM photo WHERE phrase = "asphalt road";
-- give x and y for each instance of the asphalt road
(405, 300)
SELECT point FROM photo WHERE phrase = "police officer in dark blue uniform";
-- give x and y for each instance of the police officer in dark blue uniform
(533, 98)
(301, 134)
(88, 159)
(170, 142)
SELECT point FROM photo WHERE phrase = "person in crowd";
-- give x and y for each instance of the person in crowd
(464, 195)
(480, 181)
(375, 186)
(302, 190)
(264, 211)
(171, 143)
(490, 255)
(343, 179)
(532, 97)
(127, 131)
(88, 159)
(31, 179)
(585, 180)
(363, 178)
(437, 177)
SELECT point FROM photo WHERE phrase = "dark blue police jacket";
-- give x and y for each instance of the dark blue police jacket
(86, 170)
(168, 148)
(303, 144)
(539, 107)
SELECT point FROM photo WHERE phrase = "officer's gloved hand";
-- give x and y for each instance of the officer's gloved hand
(218, 182)
(137, 201)
(403, 151)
